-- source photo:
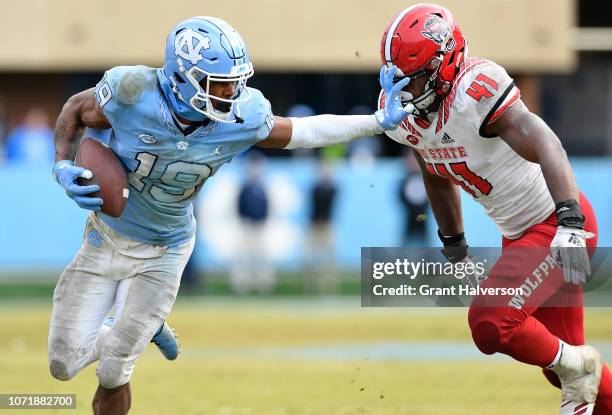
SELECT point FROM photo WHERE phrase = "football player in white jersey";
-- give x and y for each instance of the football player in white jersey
(472, 131)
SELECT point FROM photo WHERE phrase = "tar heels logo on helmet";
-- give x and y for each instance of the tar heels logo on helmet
(203, 54)
(188, 45)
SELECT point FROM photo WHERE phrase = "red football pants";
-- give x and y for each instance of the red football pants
(552, 311)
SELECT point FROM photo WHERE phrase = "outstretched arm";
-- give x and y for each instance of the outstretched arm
(325, 130)
(319, 130)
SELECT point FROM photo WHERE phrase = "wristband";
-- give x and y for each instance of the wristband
(455, 240)
(455, 246)
(569, 214)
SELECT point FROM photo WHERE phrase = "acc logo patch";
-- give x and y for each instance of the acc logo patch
(414, 140)
(438, 30)
(147, 138)
(188, 45)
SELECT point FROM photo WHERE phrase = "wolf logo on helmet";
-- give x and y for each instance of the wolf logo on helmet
(436, 29)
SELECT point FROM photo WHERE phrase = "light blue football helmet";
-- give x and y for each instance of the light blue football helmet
(207, 48)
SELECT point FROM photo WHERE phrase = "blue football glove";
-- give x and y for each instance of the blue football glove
(66, 174)
(394, 112)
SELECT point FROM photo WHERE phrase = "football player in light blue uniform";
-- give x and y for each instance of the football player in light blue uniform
(172, 127)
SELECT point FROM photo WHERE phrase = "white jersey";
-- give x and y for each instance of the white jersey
(511, 189)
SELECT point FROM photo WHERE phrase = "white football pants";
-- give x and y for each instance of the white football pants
(141, 282)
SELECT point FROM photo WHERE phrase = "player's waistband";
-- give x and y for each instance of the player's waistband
(125, 230)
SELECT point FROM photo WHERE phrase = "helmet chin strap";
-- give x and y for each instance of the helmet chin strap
(422, 102)
(425, 100)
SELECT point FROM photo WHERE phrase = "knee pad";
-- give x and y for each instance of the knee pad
(63, 365)
(116, 360)
(112, 373)
(486, 336)
(59, 370)
(485, 330)
(493, 326)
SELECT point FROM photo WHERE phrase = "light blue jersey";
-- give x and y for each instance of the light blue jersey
(166, 166)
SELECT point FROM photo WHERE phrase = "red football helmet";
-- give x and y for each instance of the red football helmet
(424, 40)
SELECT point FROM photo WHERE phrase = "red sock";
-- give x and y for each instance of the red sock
(603, 404)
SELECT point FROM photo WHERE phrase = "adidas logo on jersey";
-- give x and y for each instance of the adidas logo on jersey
(447, 139)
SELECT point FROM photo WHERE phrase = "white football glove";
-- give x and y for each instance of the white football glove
(569, 251)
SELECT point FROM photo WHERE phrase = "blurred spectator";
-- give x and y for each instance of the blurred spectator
(3, 128)
(300, 110)
(414, 201)
(31, 142)
(322, 256)
(252, 271)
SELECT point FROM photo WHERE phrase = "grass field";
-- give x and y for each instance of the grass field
(294, 357)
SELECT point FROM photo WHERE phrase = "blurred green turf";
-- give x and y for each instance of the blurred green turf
(39, 286)
(289, 284)
(202, 382)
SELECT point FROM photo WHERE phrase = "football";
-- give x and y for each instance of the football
(108, 172)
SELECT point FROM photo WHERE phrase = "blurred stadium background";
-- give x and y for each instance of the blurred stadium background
(288, 227)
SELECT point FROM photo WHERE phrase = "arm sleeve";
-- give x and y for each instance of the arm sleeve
(324, 130)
